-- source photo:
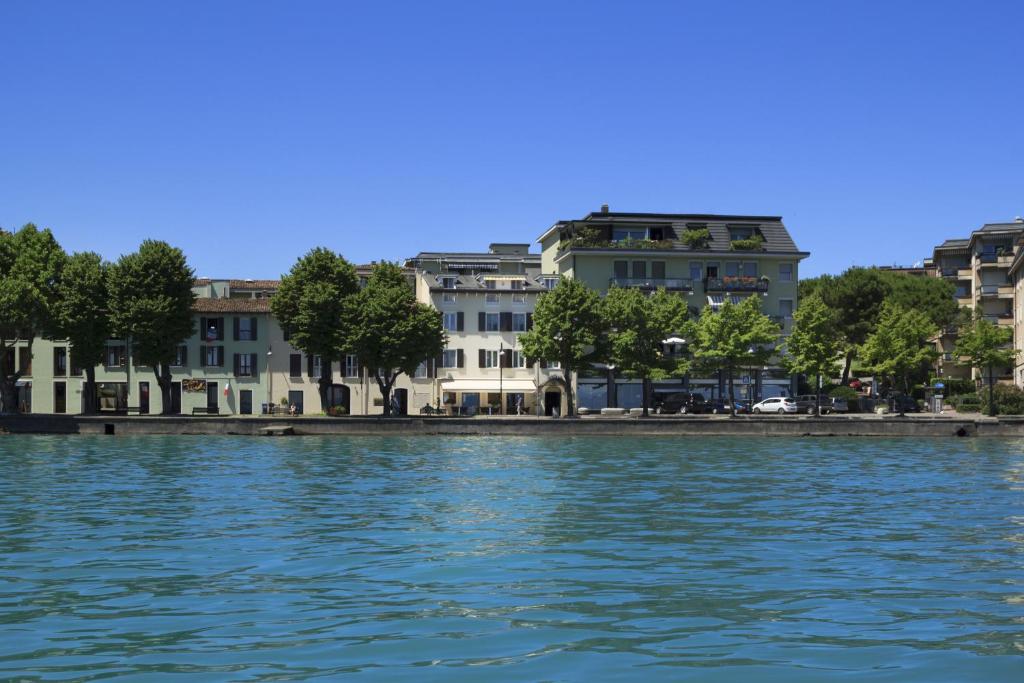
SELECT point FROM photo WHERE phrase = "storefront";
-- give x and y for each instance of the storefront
(486, 397)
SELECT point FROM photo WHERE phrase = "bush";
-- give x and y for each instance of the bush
(337, 411)
(1009, 400)
(851, 397)
(697, 238)
(755, 243)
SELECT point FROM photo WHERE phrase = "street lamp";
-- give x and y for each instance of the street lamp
(270, 384)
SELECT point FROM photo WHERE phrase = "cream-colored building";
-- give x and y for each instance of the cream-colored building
(487, 300)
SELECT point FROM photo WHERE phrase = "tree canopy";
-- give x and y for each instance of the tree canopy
(389, 331)
(985, 345)
(567, 324)
(900, 345)
(814, 345)
(309, 304)
(82, 316)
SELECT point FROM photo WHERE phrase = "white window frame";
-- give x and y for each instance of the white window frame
(317, 366)
(448, 298)
(421, 370)
(244, 328)
(450, 358)
(491, 359)
(519, 297)
(492, 322)
(518, 359)
(549, 282)
(786, 277)
(492, 298)
(244, 365)
(451, 322)
(351, 365)
(516, 317)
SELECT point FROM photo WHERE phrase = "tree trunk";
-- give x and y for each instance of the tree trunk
(163, 380)
(385, 391)
(89, 404)
(991, 394)
(8, 382)
(732, 399)
(324, 383)
(645, 390)
(846, 367)
(570, 408)
(817, 396)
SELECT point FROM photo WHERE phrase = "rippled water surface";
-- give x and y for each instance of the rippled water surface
(511, 559)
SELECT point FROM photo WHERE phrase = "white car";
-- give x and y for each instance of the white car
(781, 404)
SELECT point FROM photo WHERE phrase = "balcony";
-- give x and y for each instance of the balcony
(995, 260)
(949, 272)
(735, 284)
(965, 273)
(988, 290)
(1002, 319)
(652, 283)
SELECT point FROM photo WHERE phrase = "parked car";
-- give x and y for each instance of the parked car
(901, 403)
(805, 404)
(682, 402)
(779, 404)
(719, 406)
(840, 405)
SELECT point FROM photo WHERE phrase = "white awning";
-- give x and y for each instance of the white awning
(514, 385)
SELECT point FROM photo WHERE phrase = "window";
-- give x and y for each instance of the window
(741, 232)
(621, 269)
(246, 329)
(60, 397)
(554, 365)
(640, 269)
(213, 356)
(550, 282)
(244, 364)
(351, 366)
(491, 298)
(180, 356)
(60, 361)
(317, 367)
(518, 359)
(712, 269)
(490, 284)
(295, 365)
(519, 322)
(449, 281)
(786, 308)
(516, 284)
(658, 270)
(450, 358)
(448, 297)
(211, 329)
(621, 234)
(519, 298)
(492, 322)
(785, 272)
(114, 357)
(451, 322)
(696, 270)
(490, 359)
(421, 370)
(732, 268)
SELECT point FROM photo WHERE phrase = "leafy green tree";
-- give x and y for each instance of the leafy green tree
(637, 325)
(933, 296)
(986, 345)
(389, 330)
(151, 298)
(310, 303)
(733, 337)
(31, 262)
(567, 327)
(814, 344)
(900, 346)
(81, 316)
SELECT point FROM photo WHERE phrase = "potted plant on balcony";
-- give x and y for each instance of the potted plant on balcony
(755, 243)
(697, 238)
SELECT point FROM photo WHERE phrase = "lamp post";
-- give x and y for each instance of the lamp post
(501, 378)
(270, 383)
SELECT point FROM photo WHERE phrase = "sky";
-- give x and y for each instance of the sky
(247, 133)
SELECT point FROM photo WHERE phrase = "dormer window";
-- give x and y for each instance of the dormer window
(741, 232)
(448, 281)
(623, 234)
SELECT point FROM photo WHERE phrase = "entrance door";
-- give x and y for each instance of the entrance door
(60, 397)
(143, 398)
(245, 402)
(515, 403)
(176, 398)
(552, 402)
(401, 396)
(211, 397)
(295, 399)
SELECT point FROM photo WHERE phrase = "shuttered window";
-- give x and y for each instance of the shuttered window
(295, 365)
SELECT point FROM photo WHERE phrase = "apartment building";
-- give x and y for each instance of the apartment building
(706, 258)
(983, 269)
(237, 362)
(487, 300)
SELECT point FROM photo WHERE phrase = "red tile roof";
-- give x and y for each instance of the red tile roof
(231, 306)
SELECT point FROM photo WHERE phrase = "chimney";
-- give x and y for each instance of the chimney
(604, 208)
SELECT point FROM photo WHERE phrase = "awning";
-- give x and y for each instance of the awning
(502, 278)
(480, 385)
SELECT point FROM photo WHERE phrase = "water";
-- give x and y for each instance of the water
(511, 559)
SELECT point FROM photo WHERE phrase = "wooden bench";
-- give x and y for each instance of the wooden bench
(205, 410)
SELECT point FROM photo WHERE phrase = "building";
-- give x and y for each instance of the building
(984, 270)
(706, 258)
(487, 300)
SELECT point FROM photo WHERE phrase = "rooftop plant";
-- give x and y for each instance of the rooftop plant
(754, 243)
(697, 238)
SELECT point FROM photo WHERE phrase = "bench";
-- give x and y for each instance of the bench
(205, 410)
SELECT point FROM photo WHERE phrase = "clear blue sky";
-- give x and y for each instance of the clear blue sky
(249, 132)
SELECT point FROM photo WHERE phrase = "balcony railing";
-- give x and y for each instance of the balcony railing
(674, 283)
(950, 272)
(988, 290)
(735, 284)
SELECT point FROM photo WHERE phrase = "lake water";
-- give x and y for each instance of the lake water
(487, 559)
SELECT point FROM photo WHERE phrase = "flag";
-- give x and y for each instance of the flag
(227, 388)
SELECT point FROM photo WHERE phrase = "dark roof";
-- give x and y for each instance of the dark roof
(254, 284)
(953, 244)
(205, 305)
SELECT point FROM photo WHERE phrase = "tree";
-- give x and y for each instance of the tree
(81, 316)
(31, 262)
(389, 330)
(900, 345)
(814, 344)
(567, 325)
(310, 303)
(151, 297)
(636, 326)
(986, 345)
(734, 336)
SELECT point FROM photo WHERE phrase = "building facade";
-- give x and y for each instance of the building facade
(708, 259)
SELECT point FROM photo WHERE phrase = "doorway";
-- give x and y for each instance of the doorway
(245, 402)
(176, 398)
(401, 398)
(552, 403)
(60, 397)
(295, 399)
(211, 397)
(143, 398)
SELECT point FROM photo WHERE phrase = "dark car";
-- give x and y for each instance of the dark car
(901, 403)
(680, 402)
(805, 404)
